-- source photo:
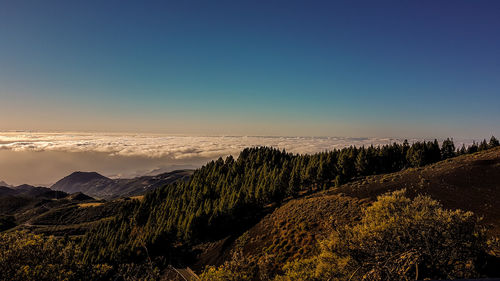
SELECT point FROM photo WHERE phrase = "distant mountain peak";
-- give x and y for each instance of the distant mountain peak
(81, 181)
(2, 183)
(24, 186)
(85, 176)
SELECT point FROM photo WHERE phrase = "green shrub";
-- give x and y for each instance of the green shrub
(25, 256)
(237, 269)
(403, 239)
(299, 270)
(398, 239)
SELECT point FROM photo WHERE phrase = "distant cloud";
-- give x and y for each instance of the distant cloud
(174, 147)
(43, 158)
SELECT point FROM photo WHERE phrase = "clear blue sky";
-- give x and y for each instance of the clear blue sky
(329, 68)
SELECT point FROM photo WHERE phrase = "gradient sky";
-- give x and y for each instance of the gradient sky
(323, 68)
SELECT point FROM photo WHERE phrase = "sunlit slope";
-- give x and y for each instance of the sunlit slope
(468, 182)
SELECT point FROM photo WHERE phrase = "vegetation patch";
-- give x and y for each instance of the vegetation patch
(86, 205)
(138, 197)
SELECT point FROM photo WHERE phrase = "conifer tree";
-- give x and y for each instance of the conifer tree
(493, 142)
(447, 149)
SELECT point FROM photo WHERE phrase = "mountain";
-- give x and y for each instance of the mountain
(16, 200)
(141, 185)
(2, 183)
(7, 191)
(87, 182)
(20, 205)
(99, 186)
(26, 190)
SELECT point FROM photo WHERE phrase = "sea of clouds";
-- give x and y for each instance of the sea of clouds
(43, 158)
(176, 147)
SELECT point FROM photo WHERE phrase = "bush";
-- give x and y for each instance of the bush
(403, 239)
(25, 256)
(7, 222)
(299, 270)
(237, 269)
(399, 239)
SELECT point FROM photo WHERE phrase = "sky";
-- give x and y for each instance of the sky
(279, 68)
(128, 88)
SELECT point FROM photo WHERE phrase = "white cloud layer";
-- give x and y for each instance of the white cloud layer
(43, 158)
(175, 147)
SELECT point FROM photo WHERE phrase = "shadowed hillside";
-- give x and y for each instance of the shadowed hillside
(31, 191)
(89, 182)
(20, 206)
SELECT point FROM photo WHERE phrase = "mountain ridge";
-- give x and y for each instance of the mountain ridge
(26, 190)
(99, 186)
(3, 183)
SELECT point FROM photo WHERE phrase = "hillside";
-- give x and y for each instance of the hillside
(468, 182)
(87, 182)
(19, 205)
(2, 183)
(64, 209)
(292, 230)
(99, 186)
(54, 211)
(31, 191)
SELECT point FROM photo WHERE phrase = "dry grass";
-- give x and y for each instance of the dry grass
(468, 182)
(87, 205)
(138, 197)
(293, 230)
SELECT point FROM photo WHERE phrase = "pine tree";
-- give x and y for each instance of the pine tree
(483, 145)
(362, 163)
(493, 142)
(447, 149)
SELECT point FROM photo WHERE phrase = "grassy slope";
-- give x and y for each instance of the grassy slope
(469, 182)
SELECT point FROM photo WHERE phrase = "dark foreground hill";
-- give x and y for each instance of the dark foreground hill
(99, 186)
